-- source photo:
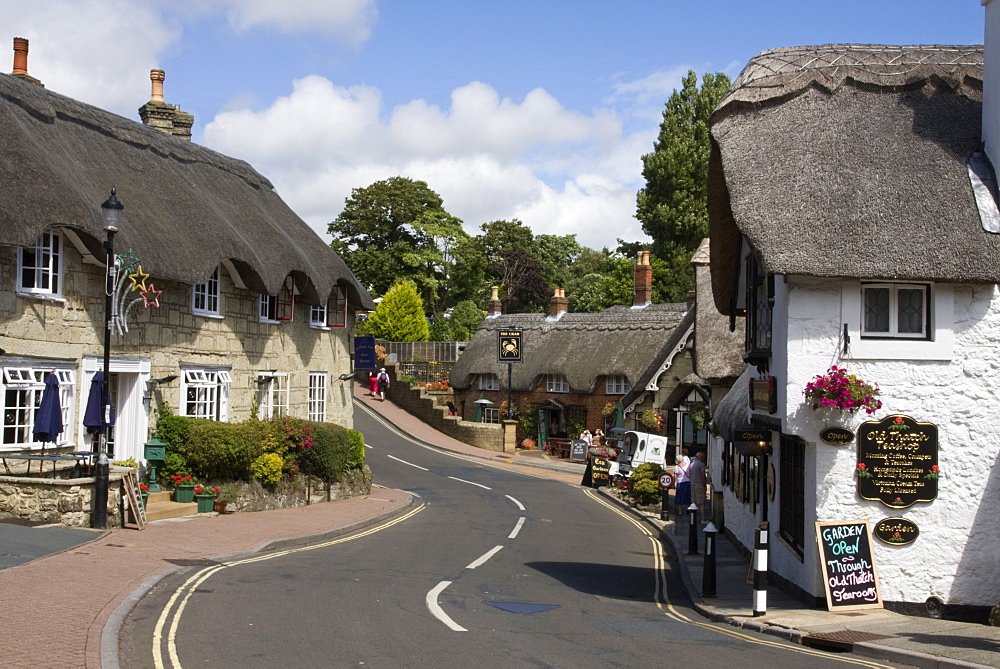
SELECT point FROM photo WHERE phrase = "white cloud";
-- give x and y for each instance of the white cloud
(348, 20)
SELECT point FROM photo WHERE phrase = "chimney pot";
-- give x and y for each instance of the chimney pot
(20, 56)
(558, 305)
(494, 305)
(157, 76)
(643, 291)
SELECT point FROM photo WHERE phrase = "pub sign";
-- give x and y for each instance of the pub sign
(764, 394)
(897, 461)
(509, 346)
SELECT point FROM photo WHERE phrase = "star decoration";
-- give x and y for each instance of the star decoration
(151, 297)
(138, 278)
(127, 262)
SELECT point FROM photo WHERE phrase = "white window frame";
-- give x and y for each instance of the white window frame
(205, 393)
(27, 384)
(268, 308)
(272, 394)
(47, 267)
(317, 396)
(489, 382)
(491, 414)
(616, 384)
(941, 345)
(209, 294)
(556, 383)
(893, 289)
(317, 317)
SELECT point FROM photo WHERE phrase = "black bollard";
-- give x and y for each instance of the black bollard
(693, 530)
(760, 571)
(665, 504)
(708, 573)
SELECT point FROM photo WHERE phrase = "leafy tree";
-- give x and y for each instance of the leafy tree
(556, 254)
(400, 315)
(501, 236)
(465, 318)
(526, 289)
(673, 205)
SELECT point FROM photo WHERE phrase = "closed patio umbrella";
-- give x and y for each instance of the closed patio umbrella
(477, 415)
(48, 416)
(93, 415)
(618, 423)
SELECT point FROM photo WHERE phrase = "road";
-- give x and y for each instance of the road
(493, 568)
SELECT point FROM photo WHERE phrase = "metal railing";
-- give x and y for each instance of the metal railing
(424, 351)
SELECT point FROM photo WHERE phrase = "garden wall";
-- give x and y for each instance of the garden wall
(64, 501)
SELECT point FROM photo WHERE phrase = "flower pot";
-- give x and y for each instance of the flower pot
(142, 499)
(184, 494)
(206, 503)
(220, 506)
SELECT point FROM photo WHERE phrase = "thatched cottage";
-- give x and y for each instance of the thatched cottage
(256, 310)
(844, 225)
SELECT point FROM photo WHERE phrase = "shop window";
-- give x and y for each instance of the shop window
(205, 393)
(792, 490)
(896, 310)
(39, 267)
(491, 415)
(21, 389)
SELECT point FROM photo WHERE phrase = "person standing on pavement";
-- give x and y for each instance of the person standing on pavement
(682, 493)
(373, 383)
(586, 436)
(383, 383)
(699, 482)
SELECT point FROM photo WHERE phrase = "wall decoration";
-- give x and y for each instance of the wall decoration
(836, 436)
(897, 461)
(896, 531)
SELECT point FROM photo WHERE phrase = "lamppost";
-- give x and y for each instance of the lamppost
(111, 210)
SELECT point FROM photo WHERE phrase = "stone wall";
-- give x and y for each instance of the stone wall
(63, 501)
(301, 491)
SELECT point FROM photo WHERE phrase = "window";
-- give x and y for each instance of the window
(206, 393)
(205, 296)
(617, 384)
(489, 382)
(333, 314)
(272, 394)
(317, 396)
(557, 383)
(895, 310)
(22, 394)
(491, 415)
(268, 308)
(792, 504)
(317, 317)
(760, 304)
(39, 267)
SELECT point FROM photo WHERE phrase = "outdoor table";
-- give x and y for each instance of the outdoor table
(35, 457)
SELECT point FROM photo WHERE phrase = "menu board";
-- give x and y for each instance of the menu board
(578, 450)
(598, 472)
(850, 577)
(897, 461)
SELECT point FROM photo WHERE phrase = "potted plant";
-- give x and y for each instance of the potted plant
(183, 489)
(205, 497)
(228, 494)
(143, 494)
(528, 443)
(839, 391)
(652, 420)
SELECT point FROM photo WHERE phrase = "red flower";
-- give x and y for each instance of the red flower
(862, 466)
(899, 419)
(934, 468)
(895, 534)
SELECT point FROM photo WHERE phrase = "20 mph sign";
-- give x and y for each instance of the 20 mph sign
(666, 480)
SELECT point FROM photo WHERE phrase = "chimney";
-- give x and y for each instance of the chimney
(690, 299)
(558, 304)
(21, 62)
(494, 306)
(164, 117)
(643, 291)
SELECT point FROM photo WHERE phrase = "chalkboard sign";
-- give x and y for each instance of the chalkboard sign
(850, 577)
(598, 473)
(578, 450)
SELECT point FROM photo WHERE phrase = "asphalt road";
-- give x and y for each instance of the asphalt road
(494, 569)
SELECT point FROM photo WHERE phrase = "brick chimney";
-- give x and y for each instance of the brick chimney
(165, 117)
(21, 62)
(494, 306)
(558, 305)
(643, 291)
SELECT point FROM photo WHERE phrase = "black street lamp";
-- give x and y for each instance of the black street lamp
(111, 210)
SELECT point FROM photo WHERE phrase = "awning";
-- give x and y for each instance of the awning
(733, 410)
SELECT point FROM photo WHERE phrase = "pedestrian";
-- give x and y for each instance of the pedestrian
(372, 383)
(383, 383)
(587, 437)
(598, 437)
(452, 409)
(682, 481)
(699, 482)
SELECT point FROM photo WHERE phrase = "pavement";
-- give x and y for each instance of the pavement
(65, 609)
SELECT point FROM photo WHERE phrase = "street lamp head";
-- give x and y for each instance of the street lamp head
(112, 211)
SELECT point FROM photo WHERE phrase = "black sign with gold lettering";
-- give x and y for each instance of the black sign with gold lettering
(509, 346)
(836, 436)
(764, 394)
(597, 473)
(897, 461)
(896, 531)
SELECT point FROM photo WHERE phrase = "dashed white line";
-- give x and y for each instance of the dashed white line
(407, 463)
(519, 505)
(517, 528)
(436, 609)
(486, 556)
(470, 483)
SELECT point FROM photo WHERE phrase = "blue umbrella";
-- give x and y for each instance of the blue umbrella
(48, 416)
(93, 416)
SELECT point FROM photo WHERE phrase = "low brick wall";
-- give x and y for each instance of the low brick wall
(65, 501)
(431, 408)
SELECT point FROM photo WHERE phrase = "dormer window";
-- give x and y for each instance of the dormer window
(760, 307)
(557, 383)
(205, 296)
(333, 314)
(39, 267)
(895, 310)
(489, 382)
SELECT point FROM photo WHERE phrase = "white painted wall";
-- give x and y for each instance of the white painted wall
(991, 81)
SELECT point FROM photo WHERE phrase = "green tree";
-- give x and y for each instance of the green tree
(673, 205)
(465, 318)
(557, 253)
(400, 315)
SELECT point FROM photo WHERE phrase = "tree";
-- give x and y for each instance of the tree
(673, 205)
(465, 318)
(400, 315)
(557, 253)
(525, 289)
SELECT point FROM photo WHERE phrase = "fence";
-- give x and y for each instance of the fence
(424, 351)
(424, 371)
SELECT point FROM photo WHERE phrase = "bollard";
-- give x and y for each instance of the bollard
(760, 571)
(708, 573)
(693, 531)
(100, 499)
(665, 504)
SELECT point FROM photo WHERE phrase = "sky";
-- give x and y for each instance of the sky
(538, 110)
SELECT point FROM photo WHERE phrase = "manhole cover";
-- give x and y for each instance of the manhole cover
(192, 562)
(523, 607)
(843, 640)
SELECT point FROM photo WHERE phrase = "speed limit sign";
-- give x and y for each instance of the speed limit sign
(666, 480)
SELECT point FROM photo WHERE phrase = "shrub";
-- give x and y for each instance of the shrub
(128, 462)
(645, 491)
(268, 468)
(356, 456)
(647, 470)
(328, 457)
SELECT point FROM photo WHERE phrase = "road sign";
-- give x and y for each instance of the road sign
(509, 346)
(666, 480)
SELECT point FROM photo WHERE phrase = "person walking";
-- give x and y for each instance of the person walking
(383, 383)
(372, 383)
(682, 481)
(699, 483)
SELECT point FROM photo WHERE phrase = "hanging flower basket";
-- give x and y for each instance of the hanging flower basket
(608, 409)
(652, 420)
(839, 391)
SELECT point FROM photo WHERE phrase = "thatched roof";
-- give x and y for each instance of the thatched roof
(618, 340)
(850, 161)
(187, 208)
(718, 350)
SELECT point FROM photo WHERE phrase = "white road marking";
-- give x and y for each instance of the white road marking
(519, 505)
(486, 556)
(368, 446)
(436, 609)
(407, 463)
(517, 528)
(470, 482)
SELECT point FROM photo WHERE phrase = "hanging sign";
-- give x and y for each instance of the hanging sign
(364, 353)
(836, 436)
(897, 461)
(764, 394)
(850, 577)
(896, 531)
(509, 346)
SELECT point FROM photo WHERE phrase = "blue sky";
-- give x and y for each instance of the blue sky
(537, 110)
